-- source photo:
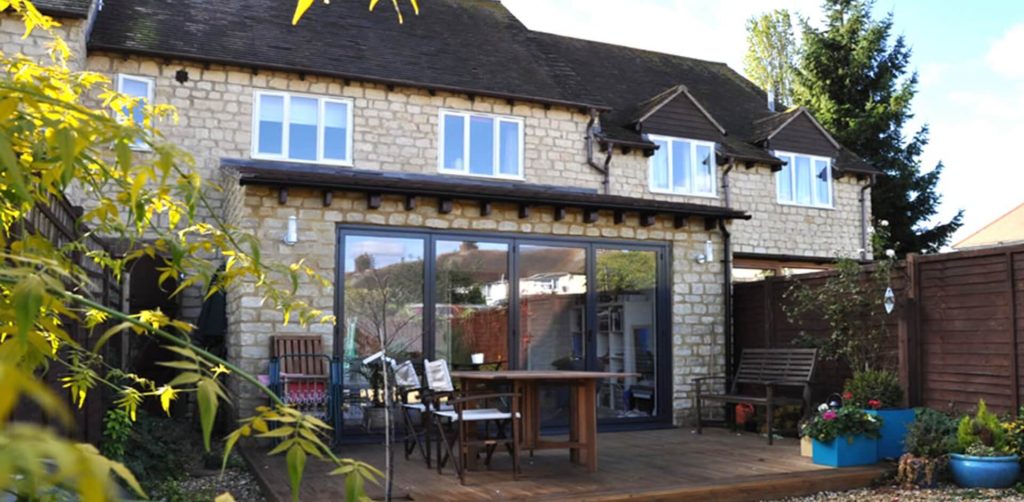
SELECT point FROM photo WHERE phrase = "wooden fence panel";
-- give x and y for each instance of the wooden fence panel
(957, 330)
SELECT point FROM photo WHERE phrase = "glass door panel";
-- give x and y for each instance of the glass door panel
(552, 317)
(625, 342)
(471, 301)
(383, 307)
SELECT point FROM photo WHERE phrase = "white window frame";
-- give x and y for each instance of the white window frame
(688, 191)
(150, 86)
(465, 171)
(815, 203)
(321, 107)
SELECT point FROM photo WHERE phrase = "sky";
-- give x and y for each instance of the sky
(969, 57)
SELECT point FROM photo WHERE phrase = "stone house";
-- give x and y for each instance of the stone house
(470, 185)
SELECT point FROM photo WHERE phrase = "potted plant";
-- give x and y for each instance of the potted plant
(843, 437)
(929, 440)
(984, 459)
(879, 393)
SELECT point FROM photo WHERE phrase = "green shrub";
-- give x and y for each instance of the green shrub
(873, 389)
(932, 435)
(117, 432)
(983, 429)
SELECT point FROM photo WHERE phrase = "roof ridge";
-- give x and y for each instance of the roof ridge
(629, 47)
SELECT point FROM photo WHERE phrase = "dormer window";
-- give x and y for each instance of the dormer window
(480, 145)
(683, 167)
(302, 128)
(805, 180)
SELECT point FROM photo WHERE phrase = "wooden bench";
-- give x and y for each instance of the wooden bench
(769, 368)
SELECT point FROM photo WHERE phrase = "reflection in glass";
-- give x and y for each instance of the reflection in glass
(471, 301)
(659, 166)
(302, 140)
(552, 307)
(681, 166)
(271, 124)
(625, 341)
(803, 180)
(821, 182)
(383, 308)
(335, 131)
(481, 145)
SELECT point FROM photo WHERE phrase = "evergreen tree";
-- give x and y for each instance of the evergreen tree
(771, 53)
(858, 86)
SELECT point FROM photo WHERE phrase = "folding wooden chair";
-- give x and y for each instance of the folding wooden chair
(457, 425)
(298, 373)
(416, 429)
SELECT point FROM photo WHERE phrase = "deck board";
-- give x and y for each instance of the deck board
(668, 464)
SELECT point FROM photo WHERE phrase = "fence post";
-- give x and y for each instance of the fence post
(1014, 360)
(908, 338)
(769, 312)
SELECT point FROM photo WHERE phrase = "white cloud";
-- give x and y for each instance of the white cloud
(714, 31)
(1006, 54)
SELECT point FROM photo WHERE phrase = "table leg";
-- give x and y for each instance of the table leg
(586, 423)
(574, 420)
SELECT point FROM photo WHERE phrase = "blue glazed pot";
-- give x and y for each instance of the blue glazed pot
(984, 472)
(895, 422)
(844, 452)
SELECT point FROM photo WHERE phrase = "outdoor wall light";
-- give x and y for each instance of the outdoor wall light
(291, 234)
(708, 255)
(181, 76)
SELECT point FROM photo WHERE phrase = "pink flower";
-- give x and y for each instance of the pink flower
(874, 404)
(847, 396)
(829, 415)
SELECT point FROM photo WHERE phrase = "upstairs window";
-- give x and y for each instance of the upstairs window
(804, 180)
(302, 128)
(481, 145)
(683, 166)
(136, 87)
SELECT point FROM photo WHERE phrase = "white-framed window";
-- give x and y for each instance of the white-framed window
(136, 87)
(683, 166)
(302, 128)
(805, 180)
(478, 144)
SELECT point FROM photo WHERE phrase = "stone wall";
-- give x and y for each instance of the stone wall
(12, 30)
(697, 340)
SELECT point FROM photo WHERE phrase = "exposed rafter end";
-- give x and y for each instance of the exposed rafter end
(373, 200)
(679, 221)
(647, 219)
(710, 224)
(619, 217)
(590, 215)
(445, 206)
(410, 202)
(485, 208)
(559, 213)
(328, 197)
(282, 195)
(524, 211)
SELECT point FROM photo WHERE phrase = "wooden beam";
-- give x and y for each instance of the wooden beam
(619, 217)
(485, 208)
(590, 215)
(647, 219)
(373, 200)
(679, 221)
(524, 211)
(445, 206)
(559, 213)
(410, 202)
(328, 197)
(282, 195)
(710, 223)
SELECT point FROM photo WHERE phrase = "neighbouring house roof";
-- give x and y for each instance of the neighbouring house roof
(469, 46)
(64, 8)
(1006, 229)
(472, 46)
(290, 174)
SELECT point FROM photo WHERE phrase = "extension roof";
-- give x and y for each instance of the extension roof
(475, 47)
(76, 9)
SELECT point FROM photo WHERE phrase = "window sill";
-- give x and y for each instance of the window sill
(683, 194)
(481, 176)
(805, 206)
(337, 163)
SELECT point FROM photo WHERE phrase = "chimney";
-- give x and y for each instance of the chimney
(771, 99)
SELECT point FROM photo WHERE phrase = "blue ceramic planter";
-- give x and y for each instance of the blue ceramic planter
(841, 452)
(894, 428)
(984, 472)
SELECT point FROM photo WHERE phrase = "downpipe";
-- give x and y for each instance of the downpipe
(590, 140)
(862, 199)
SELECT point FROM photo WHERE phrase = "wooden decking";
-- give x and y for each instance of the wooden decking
(669, 464)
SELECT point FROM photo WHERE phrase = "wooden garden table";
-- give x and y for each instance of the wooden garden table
(582, 443)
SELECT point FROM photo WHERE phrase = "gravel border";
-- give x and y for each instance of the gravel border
(947, 493)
